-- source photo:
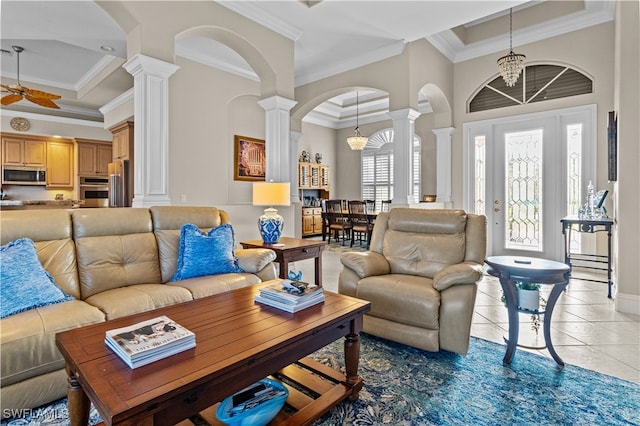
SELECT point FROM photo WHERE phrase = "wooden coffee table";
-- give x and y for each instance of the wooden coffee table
(238, 342)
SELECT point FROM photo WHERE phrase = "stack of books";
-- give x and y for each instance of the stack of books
(149, 341)
(290, 295)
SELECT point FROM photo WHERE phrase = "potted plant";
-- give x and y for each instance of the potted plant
(528, 295)
(529, 299)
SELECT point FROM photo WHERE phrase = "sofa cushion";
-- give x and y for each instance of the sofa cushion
(405, 299)
(123, 301)
(114, 248)
(214, 284)
(167, 223)
(27, 339)
(414, 246)
(51, 232)
(25, 283)
(204, 254)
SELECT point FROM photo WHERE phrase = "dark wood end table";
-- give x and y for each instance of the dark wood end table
(510, 269)
(291, 250)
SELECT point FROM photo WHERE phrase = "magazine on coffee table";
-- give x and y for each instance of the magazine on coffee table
(290, 296)
(149, 341)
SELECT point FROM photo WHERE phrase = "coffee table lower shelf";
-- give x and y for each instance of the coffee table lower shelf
(313, 387)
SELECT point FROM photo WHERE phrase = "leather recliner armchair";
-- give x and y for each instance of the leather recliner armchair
(420, 276)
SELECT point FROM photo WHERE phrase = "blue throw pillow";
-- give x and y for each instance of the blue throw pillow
(24, 282)
(206, 254)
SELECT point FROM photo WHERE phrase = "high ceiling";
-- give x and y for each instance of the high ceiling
(75, 49)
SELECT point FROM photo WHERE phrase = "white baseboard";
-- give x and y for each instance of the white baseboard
(627, 303)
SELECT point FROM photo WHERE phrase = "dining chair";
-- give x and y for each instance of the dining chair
(386, 205)
(338, 220)
(361, 225)
(371, 206)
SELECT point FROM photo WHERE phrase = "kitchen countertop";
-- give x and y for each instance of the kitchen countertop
(61, 203)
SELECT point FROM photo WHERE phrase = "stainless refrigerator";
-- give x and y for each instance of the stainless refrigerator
(119, 184)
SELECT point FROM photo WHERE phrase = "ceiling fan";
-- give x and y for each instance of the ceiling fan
(18, 92)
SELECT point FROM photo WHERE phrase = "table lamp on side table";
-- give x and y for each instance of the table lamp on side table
(271, 194)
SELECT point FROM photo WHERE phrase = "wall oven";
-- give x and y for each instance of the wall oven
(94, 191)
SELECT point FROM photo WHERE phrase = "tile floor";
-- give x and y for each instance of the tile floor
(586, 330)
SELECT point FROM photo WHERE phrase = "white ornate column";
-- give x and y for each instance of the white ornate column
(277, 132)
(403, 131)
(443, 164)
(295, 139)
(151, 129)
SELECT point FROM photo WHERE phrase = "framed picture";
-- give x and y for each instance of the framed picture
(249, 159)
(612, 142)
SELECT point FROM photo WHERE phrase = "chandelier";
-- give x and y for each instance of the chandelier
(357, 142)
(512, 64)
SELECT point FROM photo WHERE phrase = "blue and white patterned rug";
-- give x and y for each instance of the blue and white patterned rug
(407, 386)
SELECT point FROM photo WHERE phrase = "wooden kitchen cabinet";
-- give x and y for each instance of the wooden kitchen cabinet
(311, 221)
(122, 141)
(93, 157)
(313, 176)
(23, 152)
(60, 170)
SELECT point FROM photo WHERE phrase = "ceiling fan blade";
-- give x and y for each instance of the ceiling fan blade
(8, 88)
(39, 94)
(9, 99)
(42, 102)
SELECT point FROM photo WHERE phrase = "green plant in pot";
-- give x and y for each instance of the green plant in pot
(529, 299)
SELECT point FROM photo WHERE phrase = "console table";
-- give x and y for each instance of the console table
(510, 269)
(574, 223)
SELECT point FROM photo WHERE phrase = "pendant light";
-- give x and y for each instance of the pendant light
(357, 142)
(512, 64)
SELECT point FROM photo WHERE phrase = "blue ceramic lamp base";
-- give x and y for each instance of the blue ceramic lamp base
(270, 225)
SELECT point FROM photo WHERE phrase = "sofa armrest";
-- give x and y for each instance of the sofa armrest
(461, 273)
(366, 264)
(255, 259)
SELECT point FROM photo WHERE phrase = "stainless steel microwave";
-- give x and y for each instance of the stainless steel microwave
(18, 175)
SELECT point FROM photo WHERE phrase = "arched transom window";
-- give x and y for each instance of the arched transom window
(538, 83)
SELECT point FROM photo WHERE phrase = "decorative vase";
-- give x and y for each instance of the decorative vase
(529, 299)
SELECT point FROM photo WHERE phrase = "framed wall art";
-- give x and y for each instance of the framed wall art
(249, 159)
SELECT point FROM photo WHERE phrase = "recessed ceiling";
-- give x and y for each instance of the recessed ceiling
(63, 39)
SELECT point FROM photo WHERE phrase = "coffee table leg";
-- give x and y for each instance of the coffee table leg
(351, 360)
(78, 401)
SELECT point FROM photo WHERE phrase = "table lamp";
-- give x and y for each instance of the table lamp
(271, 194)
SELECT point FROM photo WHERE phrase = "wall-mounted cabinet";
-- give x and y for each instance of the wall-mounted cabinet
(60, 164)
(313, 176)
(123, 141)
(93, 157)
(18, 151)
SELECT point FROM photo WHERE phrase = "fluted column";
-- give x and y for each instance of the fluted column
(151, 130)
(295, 139)
(443, 164)
(277, 134)
(403, 131)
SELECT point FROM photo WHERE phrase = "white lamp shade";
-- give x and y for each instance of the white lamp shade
(271, 194)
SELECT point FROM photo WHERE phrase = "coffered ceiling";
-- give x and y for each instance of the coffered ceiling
(75, 49)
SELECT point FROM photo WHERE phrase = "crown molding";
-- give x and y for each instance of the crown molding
(259, 16)
(356, 61)
(116, 102)
(51, 118)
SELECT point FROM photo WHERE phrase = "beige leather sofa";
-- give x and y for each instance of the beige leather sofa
(420, 276)
(115, 262)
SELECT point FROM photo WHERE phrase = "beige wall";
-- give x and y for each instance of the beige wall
(626, 190)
